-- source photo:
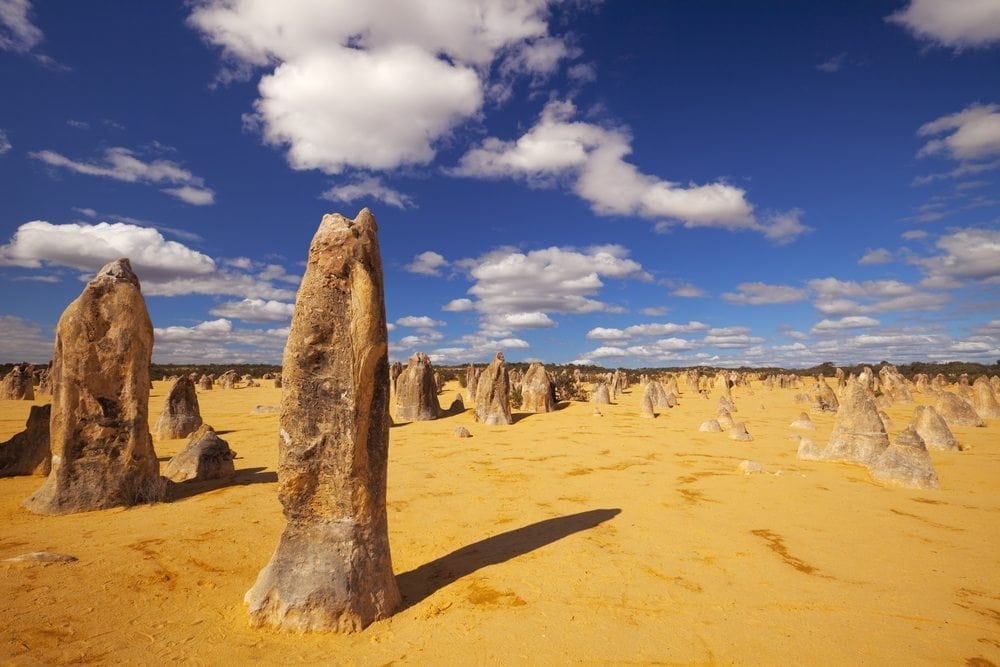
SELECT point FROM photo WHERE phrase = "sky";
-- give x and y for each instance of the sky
(627, 184)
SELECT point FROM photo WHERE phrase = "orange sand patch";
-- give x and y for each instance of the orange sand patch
(563, 538)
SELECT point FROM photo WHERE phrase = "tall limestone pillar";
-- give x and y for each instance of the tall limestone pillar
(332, 568)
(102, 453)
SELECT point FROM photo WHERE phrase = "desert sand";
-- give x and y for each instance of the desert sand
(563, 538)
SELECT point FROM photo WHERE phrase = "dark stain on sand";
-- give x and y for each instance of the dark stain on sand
(776, 543)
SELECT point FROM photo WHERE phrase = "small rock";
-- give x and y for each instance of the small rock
(265, 409)
(748, 467)
(462, 432)
(42, 557)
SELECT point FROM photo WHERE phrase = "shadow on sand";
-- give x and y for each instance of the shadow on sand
(181, 490)
(416, 585)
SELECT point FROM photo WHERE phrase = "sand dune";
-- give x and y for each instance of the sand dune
(562, 538)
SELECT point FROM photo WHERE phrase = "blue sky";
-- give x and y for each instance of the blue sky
(621, 183)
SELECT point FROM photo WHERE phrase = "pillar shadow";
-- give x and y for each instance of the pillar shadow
(181, 490)
(420, 583)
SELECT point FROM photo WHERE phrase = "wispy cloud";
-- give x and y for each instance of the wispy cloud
(123, 164)
(369, 188)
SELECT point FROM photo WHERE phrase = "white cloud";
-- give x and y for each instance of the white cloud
(837, 298)
(968, 254)
(458, 306)
(369, 188)
(428, 263)
(684, 290)
(966, 169)
(89, 247)
(973, 133)
(217, 341)
(756, 294)
(23, 340)
(422, 321)
(17, 32)
(121, 164)
(850, 322)
(730, 338)
(654, 311)
(592, 159)
(516, 290)
(951, 23)
(914, 234)
(605, 333)
(165, 268)
(834, 64)
(876, 256)
(414, 70)
(255, 310)
(5, 144)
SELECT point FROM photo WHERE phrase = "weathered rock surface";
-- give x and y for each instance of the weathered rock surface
(710, 426)
(18, 384)
(956, 411)
(600, 394)
(332, 568)
(803, 422)
(748, 467)
(646, 407)
(27, 452)
(205, 456)
(739, 432)
(416, 391)
(205, 383)
(462, 432)
(537, 391)
(933, 430)
(102, 453)
(825, 400)
(493, 393)
(858, 433)
(181, 416)
(984, 400)
(809, 450)
(906, 463)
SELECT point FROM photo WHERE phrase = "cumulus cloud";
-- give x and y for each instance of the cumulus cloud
(876, 256)
(756, 294)
(217, 341)
(255, 310)
(515, 290)
(730, 337)
(837, 298)
(415, 70)
(459, 306)
(122, 164)
(971, 134)
(5, 144)
(591, 158)
(166, 268)
(850, 322)
(428, 263)
(23, 340)
(967, 254)
(951, 23)
(370, 188)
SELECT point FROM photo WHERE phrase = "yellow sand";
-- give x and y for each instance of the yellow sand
(564, 538)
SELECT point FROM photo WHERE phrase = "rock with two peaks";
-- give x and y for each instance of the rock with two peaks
(493, 393)
(538, 394)
(332, 568)
(956, 411)
(416, 391)
(858, 434)
(205, 383)
(28, 453)
(102, 452)
(205, 456)
(18, 384)
(181, 416)
(906, 463)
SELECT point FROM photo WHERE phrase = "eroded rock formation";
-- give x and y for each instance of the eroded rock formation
(332, 568)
